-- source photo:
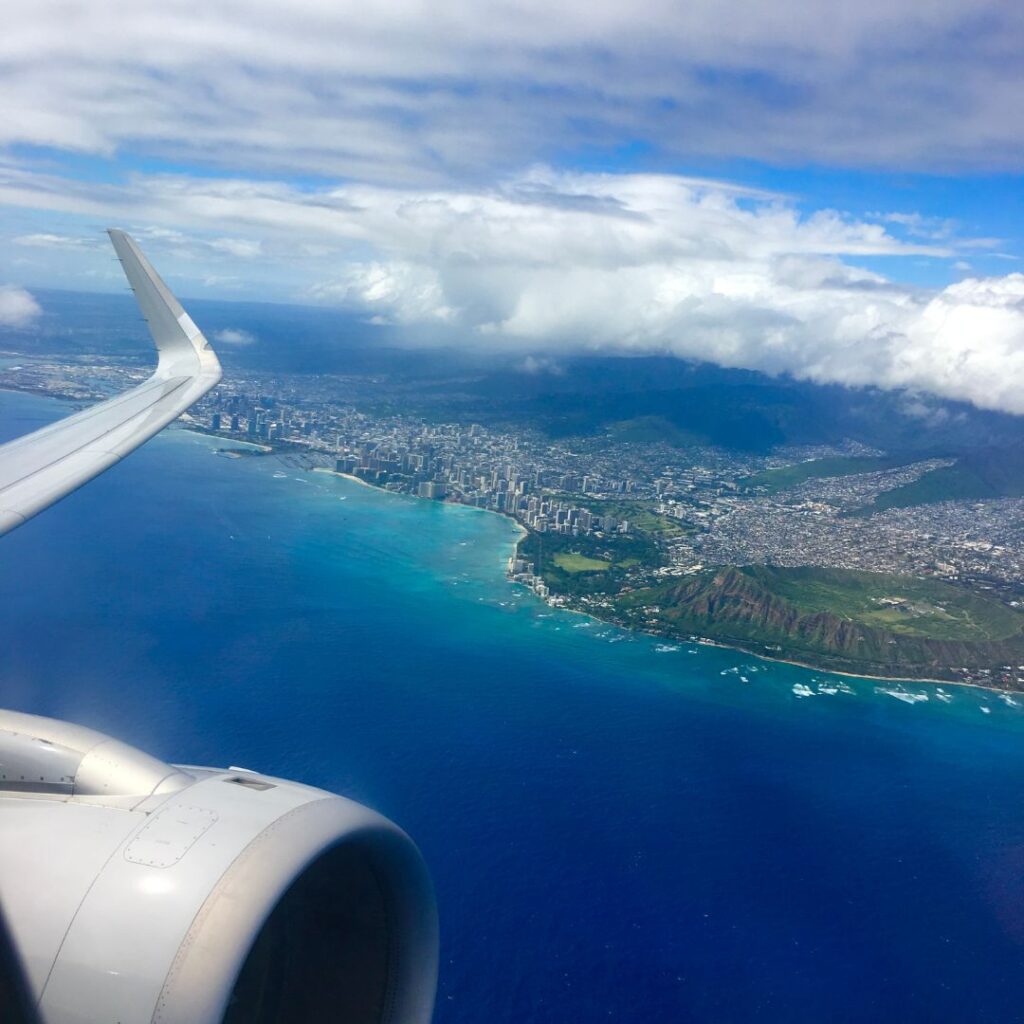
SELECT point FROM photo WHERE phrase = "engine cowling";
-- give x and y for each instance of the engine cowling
(138, 891)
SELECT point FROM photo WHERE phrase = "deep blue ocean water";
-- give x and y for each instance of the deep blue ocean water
(616, 833)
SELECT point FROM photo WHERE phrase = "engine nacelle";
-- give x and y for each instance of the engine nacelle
(141, 892)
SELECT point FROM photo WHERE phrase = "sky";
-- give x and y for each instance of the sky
(826, 189)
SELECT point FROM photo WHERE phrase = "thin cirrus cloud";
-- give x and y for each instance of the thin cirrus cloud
(401, 91)
(47, 240)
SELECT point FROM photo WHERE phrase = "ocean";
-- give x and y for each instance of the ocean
(619, 829)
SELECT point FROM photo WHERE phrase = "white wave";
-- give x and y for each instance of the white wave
(904, 695)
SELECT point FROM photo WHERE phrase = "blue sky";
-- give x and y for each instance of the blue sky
(825, 189)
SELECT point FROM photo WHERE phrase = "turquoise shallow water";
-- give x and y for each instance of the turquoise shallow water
(616, 832)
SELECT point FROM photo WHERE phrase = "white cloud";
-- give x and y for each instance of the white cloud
(656, 264)
(551, 262)
(406, 91)
(18, 308)
(43, 240)
(234, 336)
(536, 365)
(242, 248)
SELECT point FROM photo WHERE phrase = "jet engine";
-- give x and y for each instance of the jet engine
(137, 891)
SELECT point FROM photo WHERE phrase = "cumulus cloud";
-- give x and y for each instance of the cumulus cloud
(430, 101)
(18, 308)
(234, 336)
(656, 264)
(552, 262)
(402, 91)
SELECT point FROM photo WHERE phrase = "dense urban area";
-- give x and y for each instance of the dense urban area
(636, 532)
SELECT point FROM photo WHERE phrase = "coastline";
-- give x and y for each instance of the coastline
(702, 641)
(266, 449)
(523, 533)
(705, 641)
(353, 479)
(867, 676)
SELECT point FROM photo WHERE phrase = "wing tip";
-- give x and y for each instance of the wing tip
(179, 336)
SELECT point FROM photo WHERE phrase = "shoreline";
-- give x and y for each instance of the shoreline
(266, 449)
(718, 644)
(866, 677)
(703, 641)
(350, 477)
(523, 533)
(721, 645)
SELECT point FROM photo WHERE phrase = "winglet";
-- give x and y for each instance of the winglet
(183, 348)
(38, 469)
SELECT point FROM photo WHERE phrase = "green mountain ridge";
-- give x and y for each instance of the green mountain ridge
(976, 476)
(865, 623)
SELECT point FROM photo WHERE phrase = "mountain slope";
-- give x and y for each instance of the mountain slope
(867, 623)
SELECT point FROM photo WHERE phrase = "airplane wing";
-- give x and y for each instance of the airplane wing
(138, 891)
(40, 468)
